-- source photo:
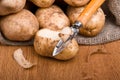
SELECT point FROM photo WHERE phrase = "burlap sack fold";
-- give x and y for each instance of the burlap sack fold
(110, 32)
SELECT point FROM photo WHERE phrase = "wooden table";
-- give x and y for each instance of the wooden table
(85, 66)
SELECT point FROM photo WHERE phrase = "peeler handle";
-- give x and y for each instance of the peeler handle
(89, 10)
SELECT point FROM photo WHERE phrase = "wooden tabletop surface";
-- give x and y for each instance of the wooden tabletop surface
(84, 66)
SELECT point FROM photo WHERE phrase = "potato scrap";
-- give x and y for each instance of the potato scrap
(20, 59)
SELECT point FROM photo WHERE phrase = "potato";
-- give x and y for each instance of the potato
(93, 26)
(77, 3)
(43, 3)
(11, 6)
(45, 41)
(114, 6)
(20, 26)
(52, 18)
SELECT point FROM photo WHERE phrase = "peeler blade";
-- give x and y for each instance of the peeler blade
(60, 46)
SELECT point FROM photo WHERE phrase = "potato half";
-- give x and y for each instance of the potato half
(43, 3)
(46, 40)
(52, 18)
(93, 26)
(20, 26)
(11, 6)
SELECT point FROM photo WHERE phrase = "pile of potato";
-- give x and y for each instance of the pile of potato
(44, 20)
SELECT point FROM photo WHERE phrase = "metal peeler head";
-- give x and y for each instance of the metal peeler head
(62, 44)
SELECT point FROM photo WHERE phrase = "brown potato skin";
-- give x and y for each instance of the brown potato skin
(11, 6)
(93, 26)
(43, 3)
(45, 47)
(77, 3)
(52, 18)
(20, 26)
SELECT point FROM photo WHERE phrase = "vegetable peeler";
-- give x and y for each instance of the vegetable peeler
(83, 18)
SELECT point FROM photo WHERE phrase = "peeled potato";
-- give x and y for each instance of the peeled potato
(43, 3)
(52, 18)
(46, 40)
(20, 26)
(77, 3)
(93, 26)
(11, 6)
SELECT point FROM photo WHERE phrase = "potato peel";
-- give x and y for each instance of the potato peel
(20, 59)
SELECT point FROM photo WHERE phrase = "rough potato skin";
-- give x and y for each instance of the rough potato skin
(114, 6)
(11, 6)
(43, 3)
(20, 26)
(94, 25)
(45, 47)
(76, 3)
(52, 18)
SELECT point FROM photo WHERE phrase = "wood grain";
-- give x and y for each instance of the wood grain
(85, 66)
